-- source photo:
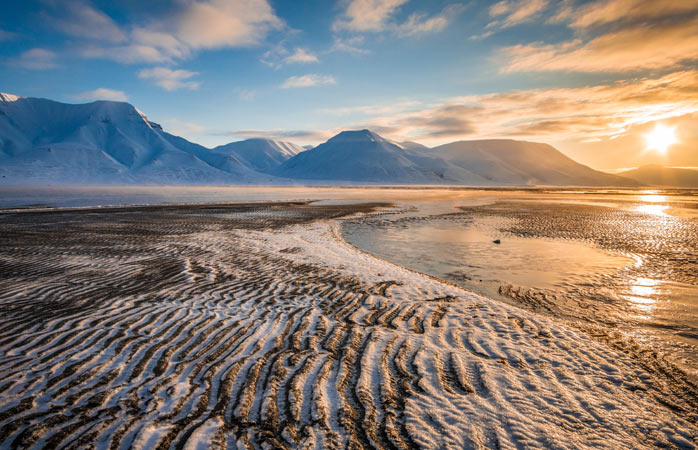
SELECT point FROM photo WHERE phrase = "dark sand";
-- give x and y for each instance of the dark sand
(228, 326)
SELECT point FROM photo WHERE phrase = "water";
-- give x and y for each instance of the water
(623, 260)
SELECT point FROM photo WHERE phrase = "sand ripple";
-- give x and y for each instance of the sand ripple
(257, 327)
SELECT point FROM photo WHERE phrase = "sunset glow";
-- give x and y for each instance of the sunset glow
(589, 77)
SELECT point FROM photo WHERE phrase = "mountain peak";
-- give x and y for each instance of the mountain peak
(356, 136)
(4, 97)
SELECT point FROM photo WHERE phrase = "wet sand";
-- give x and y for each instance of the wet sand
(257, 326)
(627, 263)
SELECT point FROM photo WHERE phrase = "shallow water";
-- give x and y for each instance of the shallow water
(625, 261)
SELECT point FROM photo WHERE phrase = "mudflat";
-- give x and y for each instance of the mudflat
(256, 326)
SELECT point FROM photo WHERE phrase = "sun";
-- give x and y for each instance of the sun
(661, 138)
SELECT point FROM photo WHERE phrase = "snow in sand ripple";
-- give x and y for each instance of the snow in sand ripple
(186, 331)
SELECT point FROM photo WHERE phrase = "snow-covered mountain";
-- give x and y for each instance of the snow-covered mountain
(106, 142)
(264, 155)
(43, 141)
(364, 156)
(656, 175)
(506, 161)
(359, 157)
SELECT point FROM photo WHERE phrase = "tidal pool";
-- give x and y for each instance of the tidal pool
(627, 262)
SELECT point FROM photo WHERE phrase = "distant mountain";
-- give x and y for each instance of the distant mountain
(506, 161)
(367, 157)
(358, 156)
(105, 142)
(263, 155)
(657, 175)
(409, 145)
(43, 141)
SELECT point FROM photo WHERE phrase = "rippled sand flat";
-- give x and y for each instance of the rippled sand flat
(256, 326)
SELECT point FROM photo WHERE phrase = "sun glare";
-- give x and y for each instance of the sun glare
(661, 138)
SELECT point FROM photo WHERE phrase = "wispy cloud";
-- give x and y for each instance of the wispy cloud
(372, 110)
(279, 55)
(580, 120)
(80, 19)
(514, 12)
(36, 59)
(361, 16)
(367, 15)
(301, 55)
(582, 114)
(224, 23)
(420, 23)
(614, 36)
(305, 135)
(646, 46)
(349, 45)
(7, 35)
(182, 128)
(245, 95)
(102, 94)
(191, 26)
(602, 12)
(309, 80)
(169, 79)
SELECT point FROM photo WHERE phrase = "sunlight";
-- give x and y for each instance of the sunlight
(652, 203)
(660, 139)
(652, 197)
(643, 291)
(655, 210)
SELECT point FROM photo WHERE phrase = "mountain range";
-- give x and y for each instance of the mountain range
(656, 175)
(106, 142)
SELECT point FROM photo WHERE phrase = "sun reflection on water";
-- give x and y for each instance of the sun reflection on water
(644, 292)
(655, 210)
(653, 204)
(652, 197)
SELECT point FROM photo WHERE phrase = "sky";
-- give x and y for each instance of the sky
(593, 78)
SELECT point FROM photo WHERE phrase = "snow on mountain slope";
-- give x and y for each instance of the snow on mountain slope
(227, 163)
(263, 155)
(358, 156)
(409, 145)
(101, 142)
(106, 142)
(506, 161)
(366, 157)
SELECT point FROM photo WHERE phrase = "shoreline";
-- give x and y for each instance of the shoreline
(217, 326)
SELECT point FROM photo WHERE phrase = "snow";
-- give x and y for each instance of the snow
(361, 156)
(523, 163)
(8, 97)
(263, 155)
(104, 142)
(107, 142)
(322, 347)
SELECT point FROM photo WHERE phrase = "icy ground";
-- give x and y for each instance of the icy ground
(261, 328)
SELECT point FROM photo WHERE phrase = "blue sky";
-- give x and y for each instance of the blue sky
(585, 76)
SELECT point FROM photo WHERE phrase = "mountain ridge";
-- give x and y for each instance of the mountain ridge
(107, 142)
(658, 175)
